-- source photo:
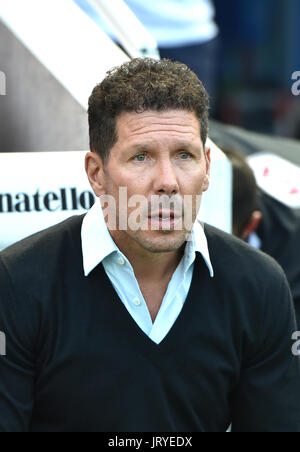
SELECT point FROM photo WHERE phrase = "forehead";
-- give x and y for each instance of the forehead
(149, 124)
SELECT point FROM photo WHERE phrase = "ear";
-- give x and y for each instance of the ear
(207, 175)
(95, 172)
(253, 224)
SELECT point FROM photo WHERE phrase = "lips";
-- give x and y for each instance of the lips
(164, 215)
(164, 220)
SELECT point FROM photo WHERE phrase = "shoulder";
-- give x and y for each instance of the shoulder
(46, 239)
(252, 287)
(34, 257)
(234, 259)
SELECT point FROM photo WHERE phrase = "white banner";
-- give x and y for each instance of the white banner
(38, 190)
(277, 177)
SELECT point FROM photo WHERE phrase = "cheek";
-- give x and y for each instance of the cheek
(122, 176)
(204, 179)
(126, 187)
(114, 180)
(205, 183)
(194, 182)
(135, 184)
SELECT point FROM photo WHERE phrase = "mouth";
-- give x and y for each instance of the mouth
(164, 219)
(163, 215)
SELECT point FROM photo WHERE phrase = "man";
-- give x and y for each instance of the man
(266, 223)
(122, 321)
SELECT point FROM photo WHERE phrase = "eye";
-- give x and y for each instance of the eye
(185, 155)
(140, 157)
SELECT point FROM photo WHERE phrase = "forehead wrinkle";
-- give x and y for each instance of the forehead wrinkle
(170, 132)
(158, 122)
(157, 116)
(153, 138)
(152, 127)
(148, 145)
(137, 122)
(170, 128)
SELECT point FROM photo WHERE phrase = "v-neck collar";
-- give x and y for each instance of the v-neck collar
(124, 321)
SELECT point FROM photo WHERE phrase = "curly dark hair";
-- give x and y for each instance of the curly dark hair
(140, 85)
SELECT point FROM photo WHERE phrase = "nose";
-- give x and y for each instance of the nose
(165, 179)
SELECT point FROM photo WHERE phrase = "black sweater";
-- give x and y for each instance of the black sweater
(77, 361)
(280, 235)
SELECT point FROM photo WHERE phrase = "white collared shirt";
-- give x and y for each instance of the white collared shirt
(255, 241)
(99, 247)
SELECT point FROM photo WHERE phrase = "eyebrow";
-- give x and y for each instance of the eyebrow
(148, 146)
(141, 147)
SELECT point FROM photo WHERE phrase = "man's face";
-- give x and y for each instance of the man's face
(158, 155)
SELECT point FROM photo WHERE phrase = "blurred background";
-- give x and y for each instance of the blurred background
(245, 53)
(259, 52)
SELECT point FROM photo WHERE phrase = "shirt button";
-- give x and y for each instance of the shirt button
(121, 261)
(137, 302)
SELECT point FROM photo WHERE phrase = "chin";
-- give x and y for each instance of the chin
(161, 241)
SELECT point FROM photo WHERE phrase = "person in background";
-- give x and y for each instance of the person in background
(184, 30)
(266, 223)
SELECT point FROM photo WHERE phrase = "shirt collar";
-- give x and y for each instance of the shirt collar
(255, 241)
(97, 243)
(199, 244)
